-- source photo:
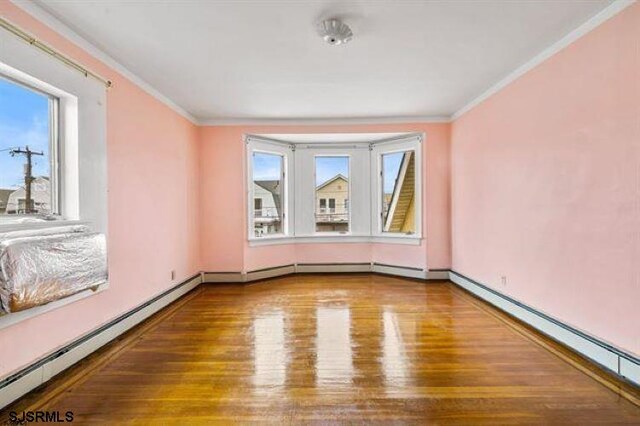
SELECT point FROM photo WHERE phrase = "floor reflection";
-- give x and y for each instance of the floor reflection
(334, 357)
(395, 364)
(270, 357)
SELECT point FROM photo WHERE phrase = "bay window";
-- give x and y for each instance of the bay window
(329, 191)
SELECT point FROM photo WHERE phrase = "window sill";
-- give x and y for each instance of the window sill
(10, 318)
(9, 225)
(337, 238)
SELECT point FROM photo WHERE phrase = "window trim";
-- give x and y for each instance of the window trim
(377, 152)
(267, 147)
(81, 132)
(373, 234)
(349, 230)
(53, 108)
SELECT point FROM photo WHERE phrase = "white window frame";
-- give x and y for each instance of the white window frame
(54, 151)
(82, 150)
(390, 147)
(327, 209)
(365, 189)
(286, 152)
(305, 186)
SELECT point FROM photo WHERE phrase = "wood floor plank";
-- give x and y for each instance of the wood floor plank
(334, 349)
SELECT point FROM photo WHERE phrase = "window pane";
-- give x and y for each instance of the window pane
(267, 194)
(398, 192)
(332, 193)
(25, 145)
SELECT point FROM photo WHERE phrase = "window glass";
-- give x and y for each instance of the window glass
(268, 194)
(332, 191)
(398, 192)
(25, 151)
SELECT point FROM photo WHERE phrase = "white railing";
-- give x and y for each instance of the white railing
(332, 217)
(266, 212)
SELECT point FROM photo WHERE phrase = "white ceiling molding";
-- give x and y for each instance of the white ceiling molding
(598, 19)
(64, 30)
(322, 121)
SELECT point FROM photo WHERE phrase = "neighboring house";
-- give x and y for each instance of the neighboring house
(332, 205)
(399, 205)
(40, 198)
(266, 207)
(4, 198)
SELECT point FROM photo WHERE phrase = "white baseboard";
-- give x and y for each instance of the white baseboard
(262, 274)
(223, 277)
(630, 370)
(17, 385)
(312, 268)
(338, 268)
(438, 274)
(599, 352)
(399, 271)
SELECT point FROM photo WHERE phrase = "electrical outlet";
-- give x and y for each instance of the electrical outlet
(173, 275)
(503, 281)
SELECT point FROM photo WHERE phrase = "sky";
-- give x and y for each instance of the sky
(24, 120)
(266, 166)
(328, 167)
(391, 168)
(269, 166)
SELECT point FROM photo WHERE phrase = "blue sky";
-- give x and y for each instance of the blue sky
(24, 120)
(269, 166)
(391, 167)
(328, 167)
(266, 166)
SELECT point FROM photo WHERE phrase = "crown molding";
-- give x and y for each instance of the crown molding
(593, 22)
(322, 121)
(67, 32)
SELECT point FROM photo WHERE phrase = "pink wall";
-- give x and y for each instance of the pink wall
(546, 185)
(153, 211)
(224, 246)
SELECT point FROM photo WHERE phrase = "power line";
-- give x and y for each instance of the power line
(28, 177)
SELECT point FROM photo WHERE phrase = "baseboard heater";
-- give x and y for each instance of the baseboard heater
(29, 378)
(339, 268)
(623, 364)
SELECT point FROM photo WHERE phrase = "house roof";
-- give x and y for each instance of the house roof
(269, 185)
(333, 179)
(273, 187)
(403, 193)
(4, 196)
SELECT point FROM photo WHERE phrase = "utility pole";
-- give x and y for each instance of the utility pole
(28, 178)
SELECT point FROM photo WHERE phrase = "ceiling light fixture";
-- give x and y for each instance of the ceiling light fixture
(335, 32)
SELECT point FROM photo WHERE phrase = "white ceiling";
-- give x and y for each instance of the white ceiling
(255, 60)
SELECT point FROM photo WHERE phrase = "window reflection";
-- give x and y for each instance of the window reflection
(270, 357)
(334, 361)
(394, 358)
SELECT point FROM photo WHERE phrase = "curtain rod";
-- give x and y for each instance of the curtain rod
(51, 51)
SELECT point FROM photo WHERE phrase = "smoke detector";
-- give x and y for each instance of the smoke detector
(335, 32)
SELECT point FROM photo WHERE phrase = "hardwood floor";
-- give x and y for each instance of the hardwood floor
(334, 349)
